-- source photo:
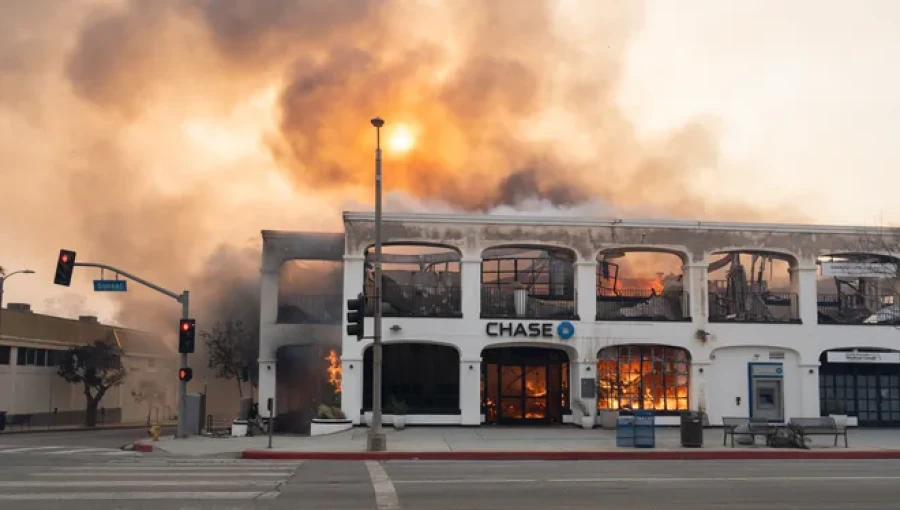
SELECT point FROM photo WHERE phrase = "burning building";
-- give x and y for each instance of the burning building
(515, 319)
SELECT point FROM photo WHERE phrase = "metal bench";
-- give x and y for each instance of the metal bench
(756, 427)
(820, 426)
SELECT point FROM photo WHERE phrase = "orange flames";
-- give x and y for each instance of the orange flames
(659, 392)
(334, 370)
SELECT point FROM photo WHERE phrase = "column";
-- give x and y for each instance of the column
(803, 283)
(809, 391)
(268, 297)
(352, 389)
(695, 278)
(470, 269)
(470, 391)
(584, 369)
(267, 386)
(586, 290)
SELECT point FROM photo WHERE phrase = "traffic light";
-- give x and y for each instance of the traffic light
(65, 264)
(185, 374)
(356, 317)
(186, 336)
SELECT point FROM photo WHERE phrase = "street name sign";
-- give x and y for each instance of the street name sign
(110, 285)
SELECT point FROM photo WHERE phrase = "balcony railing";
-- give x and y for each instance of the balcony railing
(644, 305)
(754, 307)
(418, 301)
(859, 310)
(501, 303)
(320, 309)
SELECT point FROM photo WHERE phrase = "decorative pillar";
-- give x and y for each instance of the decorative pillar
(470, 269)
(352, 389)
(809, 391)
(803, 283)
(470, 391)
(268, 318)
(695, 280)
(586, 290)
(267, 386)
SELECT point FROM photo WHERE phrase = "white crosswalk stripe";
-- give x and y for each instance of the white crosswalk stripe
(62, 450)
(147, 479)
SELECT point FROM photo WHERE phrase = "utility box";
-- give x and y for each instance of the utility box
(692, 429)
(195, 412)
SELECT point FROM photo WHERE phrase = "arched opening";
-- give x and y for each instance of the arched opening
(858, 288)
(650, 377)
(524, 385)
(864, 383)
(309, 292)
(418, 280)
(752, 286)
(423, 376)
(528, 282)
(305, 376)
(641, 285)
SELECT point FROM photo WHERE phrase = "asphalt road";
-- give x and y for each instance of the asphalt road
(158, 482)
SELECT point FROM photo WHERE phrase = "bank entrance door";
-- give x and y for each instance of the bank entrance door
(524, 385)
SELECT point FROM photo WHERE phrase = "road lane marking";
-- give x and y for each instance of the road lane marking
(135, 483)
(385, 495)
(137, 473)
(31, 449)
(204, 468)
(766, 479)
(59, 496)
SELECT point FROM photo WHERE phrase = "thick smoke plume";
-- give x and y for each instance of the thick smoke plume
(161, 136)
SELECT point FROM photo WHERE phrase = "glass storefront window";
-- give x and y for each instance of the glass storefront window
(650, 377)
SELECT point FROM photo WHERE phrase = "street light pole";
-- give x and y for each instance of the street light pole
(376, 440)
(3, 278)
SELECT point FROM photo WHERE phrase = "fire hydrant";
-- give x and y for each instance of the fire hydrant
(154, 431)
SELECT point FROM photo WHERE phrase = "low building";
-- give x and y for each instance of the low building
(494, 319)
(31, 391)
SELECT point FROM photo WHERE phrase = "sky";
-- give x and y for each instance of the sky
(163, 136)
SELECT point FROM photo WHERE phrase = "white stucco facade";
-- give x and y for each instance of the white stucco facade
(721, 353)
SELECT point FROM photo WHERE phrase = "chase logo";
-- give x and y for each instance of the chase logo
(565, 330)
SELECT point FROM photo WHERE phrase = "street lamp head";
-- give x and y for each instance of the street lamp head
(377, 122)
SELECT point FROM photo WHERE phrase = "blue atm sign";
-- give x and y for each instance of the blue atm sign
(110, 285)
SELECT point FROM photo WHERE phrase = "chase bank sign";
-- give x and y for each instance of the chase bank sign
(564, 330)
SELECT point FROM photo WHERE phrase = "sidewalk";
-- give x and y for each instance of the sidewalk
(499, 443)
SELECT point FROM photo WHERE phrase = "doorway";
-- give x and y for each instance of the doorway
(522, 385)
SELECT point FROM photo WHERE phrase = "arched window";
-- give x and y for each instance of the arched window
(651, 377)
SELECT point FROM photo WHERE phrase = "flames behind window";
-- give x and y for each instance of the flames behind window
(643, 377)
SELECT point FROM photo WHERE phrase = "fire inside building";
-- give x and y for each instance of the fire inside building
(508, 320)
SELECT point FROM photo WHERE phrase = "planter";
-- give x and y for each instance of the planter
(322, 426)
(521, 301)
(608, 419)
(239, 428)
(587, 422)
(399, 422)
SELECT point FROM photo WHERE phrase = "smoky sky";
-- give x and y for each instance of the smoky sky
(94, 95)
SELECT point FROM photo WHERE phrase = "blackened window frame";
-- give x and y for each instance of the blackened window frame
(5, 355)
(442, 391)
(560, 279)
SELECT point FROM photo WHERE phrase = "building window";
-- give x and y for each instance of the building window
(5, 353)
(650, 377)
(40, 357)
(423, 376)
(52, 359)
(20, 356)
(30, 355)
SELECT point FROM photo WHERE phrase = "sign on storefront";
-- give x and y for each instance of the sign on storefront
(565, 330)
(864, 357)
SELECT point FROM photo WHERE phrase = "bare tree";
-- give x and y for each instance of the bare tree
(98, 367)
(233, 351)
(148, 391)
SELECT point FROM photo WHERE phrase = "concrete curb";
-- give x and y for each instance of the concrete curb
(77, 429)
(605, 455)
(142, 447)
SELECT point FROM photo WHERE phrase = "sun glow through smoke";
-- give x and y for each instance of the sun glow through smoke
(401, 139)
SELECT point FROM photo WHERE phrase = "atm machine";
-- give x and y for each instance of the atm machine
(767, 391)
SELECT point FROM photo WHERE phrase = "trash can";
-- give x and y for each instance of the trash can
(691, 429)
(644, 429)
(625, 431)
(2, 421)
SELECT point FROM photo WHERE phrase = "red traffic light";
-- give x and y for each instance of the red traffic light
(185, 374)
(64, 258)
(185, 326)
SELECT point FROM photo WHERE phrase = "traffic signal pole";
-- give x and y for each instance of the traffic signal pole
(184, 299)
